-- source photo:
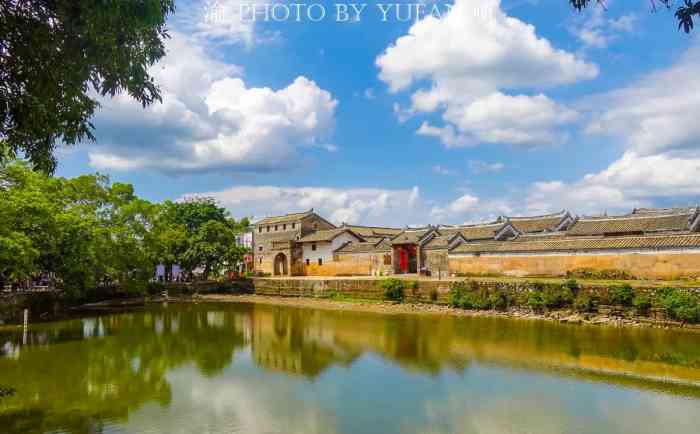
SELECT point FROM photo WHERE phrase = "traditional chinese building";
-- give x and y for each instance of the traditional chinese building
(646, 243)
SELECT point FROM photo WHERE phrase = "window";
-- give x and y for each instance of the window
(315, 225)
(387, 259)
(313, 247)
(260, 229)
(260, 260)
(320, 261)
(260, 249)
(294, 225)
(275, 227)
(268, 229)
(284, 227)
(307, 261)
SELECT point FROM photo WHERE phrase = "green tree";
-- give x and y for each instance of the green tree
(57, 55)
(213, 247)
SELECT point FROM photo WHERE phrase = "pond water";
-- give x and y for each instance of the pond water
(245, 368)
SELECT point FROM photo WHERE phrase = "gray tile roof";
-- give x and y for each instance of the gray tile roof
(635, 223)
(565, 244)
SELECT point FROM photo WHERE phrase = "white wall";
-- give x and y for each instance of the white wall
(324, 250)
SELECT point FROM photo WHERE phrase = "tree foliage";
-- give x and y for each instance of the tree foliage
(87, 232)
(684, 13)
(56, 56)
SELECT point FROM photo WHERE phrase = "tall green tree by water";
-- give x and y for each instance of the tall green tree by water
(89, 232)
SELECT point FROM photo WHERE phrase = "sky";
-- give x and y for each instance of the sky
(411, 113)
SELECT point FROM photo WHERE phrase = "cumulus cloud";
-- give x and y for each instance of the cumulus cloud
(210, 119)
(656, 124)
(219, 21)
(470, 60)
(631, 181)
(370, 206)
(596, 30)
(350, 205)
(657, 113)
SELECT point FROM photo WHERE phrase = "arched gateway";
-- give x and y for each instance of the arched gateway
(281, 265)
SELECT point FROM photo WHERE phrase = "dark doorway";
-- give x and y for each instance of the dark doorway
(281, 265)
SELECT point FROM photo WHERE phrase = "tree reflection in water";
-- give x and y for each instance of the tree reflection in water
(85, 374)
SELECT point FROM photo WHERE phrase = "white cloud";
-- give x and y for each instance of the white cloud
(471, 59)
(350, 205)
(631, 181)
(447, 135)
(520, 120)
(654, 119)
(477, 166)
(656, 113)
(219, 21)
(597, 30)
(210, 119)
(371, 206)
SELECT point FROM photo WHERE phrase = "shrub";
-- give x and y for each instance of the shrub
(469, 297)
(393, 289)
(572, 285)
(642, 302)
(535, 300)
(586, 303)
(622, 295)
(557, 297)
(500, 300)
(680, 305)
(457, 290)
(475, 300)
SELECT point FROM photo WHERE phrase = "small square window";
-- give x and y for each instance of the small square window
(307, 261)
(260, 249)
(320, 261)
(313, 247)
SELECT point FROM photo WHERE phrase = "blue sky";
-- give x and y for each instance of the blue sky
(494, 107)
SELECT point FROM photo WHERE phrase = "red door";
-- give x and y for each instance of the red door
(403, 260)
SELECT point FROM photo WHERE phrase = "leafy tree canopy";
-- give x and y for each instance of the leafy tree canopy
(87, 232)
(57, 56)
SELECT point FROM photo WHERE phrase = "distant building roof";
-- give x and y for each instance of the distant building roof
(564, 244)
(411, 236)
(632, 223)
(480, 232)
(327, 235)
(365, 247)
(287, 218)
(542, 223)
(373, 231)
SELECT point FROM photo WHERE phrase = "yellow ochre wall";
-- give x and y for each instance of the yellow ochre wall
(350, 265)
(642, 265)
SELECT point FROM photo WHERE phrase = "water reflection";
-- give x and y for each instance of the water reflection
(257, 368)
